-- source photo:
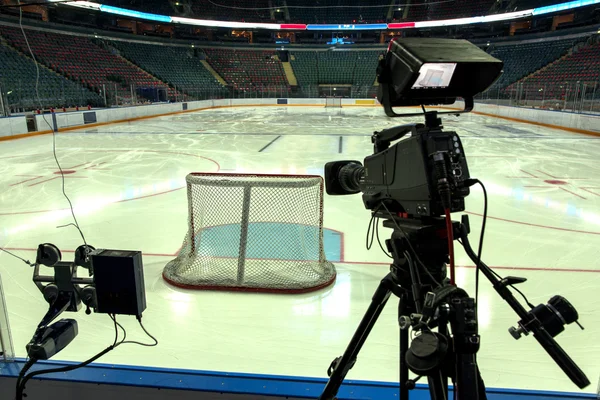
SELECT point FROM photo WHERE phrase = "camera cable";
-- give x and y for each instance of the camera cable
(373, 231)
(450, 235)
(23, 378)
(75, 223)
(471, 182)
(480, 246)
(16, 256)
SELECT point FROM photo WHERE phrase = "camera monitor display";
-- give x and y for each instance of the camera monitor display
(435, 75)
(423, 71)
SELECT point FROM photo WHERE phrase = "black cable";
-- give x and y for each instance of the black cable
(63, 369)
(379, 240)
(147, 333)
(479, 250)
(123, 329)
(116, 330)
(22, 381)
(39, 100)
(501, 278)
(16, 256)
(373, 219)
(480, 247)
(371, 230)
(28, 364)
(522, 295)
(114, 318)
(133, 341)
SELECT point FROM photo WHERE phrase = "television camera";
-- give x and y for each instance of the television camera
(416, 177)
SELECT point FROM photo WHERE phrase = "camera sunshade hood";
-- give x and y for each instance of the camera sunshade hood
(418, 71)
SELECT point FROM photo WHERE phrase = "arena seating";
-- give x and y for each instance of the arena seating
(446, 10)
(79, 59)
(83, 62)
(581, 66)
(335, 67)
(306, 67)
(18, 78)
(179, 66)
(521, 60)
(248, 70)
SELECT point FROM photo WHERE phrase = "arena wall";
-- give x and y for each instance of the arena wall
(15, 127)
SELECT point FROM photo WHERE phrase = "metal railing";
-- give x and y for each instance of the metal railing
(576, 97)
(20, 96)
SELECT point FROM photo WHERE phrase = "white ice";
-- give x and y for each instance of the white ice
(128, 193)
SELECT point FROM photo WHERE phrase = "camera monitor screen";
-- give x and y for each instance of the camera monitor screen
(435, 75)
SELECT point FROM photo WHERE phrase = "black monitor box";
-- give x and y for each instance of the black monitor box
(119, 282)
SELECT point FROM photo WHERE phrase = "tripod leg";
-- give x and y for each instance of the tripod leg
(438, 388)
(467, 378)
(340, 366)
(466, 344)
(443, 330)
(403, 309)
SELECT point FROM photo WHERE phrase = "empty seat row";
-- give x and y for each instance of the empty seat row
(521, 60)
(18, 83)
(83, 61)
(578, 70)
(247, 69)
(336, 68)
(179, 66)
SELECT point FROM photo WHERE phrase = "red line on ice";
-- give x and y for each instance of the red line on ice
(573, 193)
(528, 173)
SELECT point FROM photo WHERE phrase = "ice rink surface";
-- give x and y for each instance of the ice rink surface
(127, 183)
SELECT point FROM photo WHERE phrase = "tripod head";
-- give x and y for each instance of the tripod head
(420, 253)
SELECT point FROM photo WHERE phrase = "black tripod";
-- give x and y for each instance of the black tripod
(418, 278)
(428, 301)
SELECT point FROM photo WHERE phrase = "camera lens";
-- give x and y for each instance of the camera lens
(350, 176)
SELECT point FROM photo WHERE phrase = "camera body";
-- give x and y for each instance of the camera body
(405, 176)
(425, 172)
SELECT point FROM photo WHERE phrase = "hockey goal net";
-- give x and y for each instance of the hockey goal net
(249, 232)
(333, 102)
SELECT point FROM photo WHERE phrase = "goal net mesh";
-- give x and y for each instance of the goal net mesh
(335, 102)
(254, 233)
